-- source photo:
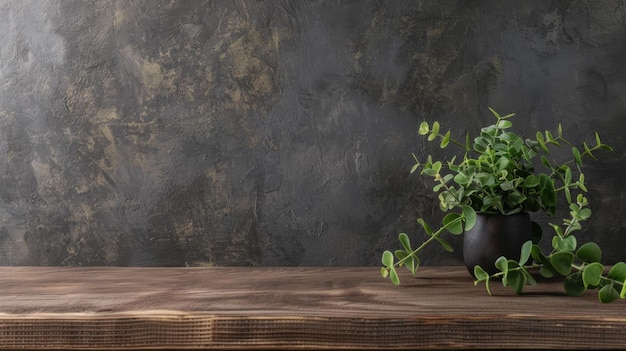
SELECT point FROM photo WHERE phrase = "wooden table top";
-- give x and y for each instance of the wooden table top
(286, 308)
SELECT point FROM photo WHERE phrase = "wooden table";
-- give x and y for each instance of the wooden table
(291, 308)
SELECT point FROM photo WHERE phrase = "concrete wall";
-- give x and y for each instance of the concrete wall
(278, 132)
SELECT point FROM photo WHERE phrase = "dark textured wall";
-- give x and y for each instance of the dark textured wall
(277, 132)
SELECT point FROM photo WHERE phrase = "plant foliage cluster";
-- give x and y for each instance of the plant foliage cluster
(500, 172)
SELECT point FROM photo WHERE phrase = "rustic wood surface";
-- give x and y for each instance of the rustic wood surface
(304, 308)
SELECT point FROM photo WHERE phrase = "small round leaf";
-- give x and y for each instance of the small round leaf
(502, 264)
(480, 273)
(470, 216)
(618, 272)
(434, 131)
(589, 252)
(517, 280)
(548, 192)
(562, 262)
(503, 124)
(592, 274)
(608, 294)
(424, 128)
(387, 259)
(573, 285)
(384, 272)
(531, 181)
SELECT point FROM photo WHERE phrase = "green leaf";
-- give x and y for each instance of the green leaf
(581, 182)
(517, 280)
(401, 255)
(404, 240)
(494, 112)
(437, 166)
(584, 213)
(568, 176)
(502, 124)
(416, 263)
(559, 232)
(444, 244)
(566, 244)
(445, 141)
(608, 294)
(410, 264)
(548, 193)
(606, 147)
(598, 142)
(537, 254)
(502, 163)
(511, 137)
(446, 178)
(507, 116)
(489, 132)
(489, 201)
(588, 151)
(434, 131)
(425, 226)
(547, 271)
(525, 252)
(393, 275)
(481, 275)
(618, 272)
(515, 199)
(573, 284)
(470, 216)
(384, 272)
(530, 280)
(531, 181)
(562, 262)
(546, 162)
(453, 222)
(589, 252)
(429, 172)
(423, 129)
(568, 194)
(542, 143)
(387, 259)
(592, 274)
(577, 157)
(461, 178)
(503, 265)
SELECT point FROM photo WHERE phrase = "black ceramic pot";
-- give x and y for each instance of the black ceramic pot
(495, 235)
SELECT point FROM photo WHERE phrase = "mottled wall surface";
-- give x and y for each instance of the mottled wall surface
(277, 132)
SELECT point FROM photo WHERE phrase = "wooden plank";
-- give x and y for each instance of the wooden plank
(275, 308)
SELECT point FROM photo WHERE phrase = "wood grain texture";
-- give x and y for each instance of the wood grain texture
(304, 308)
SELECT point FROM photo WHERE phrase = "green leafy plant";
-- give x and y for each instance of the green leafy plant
(499, 172)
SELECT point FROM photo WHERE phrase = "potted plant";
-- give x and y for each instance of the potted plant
(489, 190)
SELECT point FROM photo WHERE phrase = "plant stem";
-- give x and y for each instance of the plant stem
(433, 236)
